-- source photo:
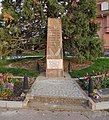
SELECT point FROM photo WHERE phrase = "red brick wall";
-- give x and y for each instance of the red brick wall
(103, 20)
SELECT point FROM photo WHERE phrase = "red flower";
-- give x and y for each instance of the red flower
(1, 76)
(87, 74)
(98, 73)
(2, 82)
(8, 73)
(4, 76)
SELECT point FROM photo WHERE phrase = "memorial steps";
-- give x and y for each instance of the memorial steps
(33, 104)
(61, 93)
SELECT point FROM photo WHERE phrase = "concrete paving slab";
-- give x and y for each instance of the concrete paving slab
(56, 87)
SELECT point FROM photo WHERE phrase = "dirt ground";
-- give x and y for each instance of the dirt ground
(26, 64)
(31, 64)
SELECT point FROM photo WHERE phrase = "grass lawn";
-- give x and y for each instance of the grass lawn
(100, 65)
(17, 71)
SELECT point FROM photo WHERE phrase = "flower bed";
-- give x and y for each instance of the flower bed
(96, 83)
(100, 82)
(11, 88)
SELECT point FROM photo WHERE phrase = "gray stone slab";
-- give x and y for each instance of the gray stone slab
(56, 87)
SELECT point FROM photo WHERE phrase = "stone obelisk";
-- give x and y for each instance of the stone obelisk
(54, 56)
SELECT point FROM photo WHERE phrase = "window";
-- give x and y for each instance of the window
(104, 6)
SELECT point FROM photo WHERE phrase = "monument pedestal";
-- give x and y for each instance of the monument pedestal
(54, 57)
(54, 73)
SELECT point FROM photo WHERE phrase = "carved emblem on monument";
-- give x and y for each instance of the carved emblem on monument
(54, 54)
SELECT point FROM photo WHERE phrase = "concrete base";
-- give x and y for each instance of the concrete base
(54, 73)
(56, 93)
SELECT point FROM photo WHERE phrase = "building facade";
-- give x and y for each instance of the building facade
(103, 19)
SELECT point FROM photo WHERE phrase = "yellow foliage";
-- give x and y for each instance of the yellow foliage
(8, 26)
(74, 4)
(7, 16)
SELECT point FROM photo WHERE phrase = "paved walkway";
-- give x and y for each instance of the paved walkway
(57, 87)
(24, 114)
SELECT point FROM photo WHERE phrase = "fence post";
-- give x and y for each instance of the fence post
(37, 66)
(69, 67)
(25, 83)
(90, 87)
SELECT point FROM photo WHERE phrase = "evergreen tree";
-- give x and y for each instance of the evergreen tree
(28, 25)
(79, 26)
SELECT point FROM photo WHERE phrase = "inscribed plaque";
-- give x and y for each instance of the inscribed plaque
(54, 63)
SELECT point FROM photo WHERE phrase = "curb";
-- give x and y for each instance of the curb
(98, 106)
(13, 104)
